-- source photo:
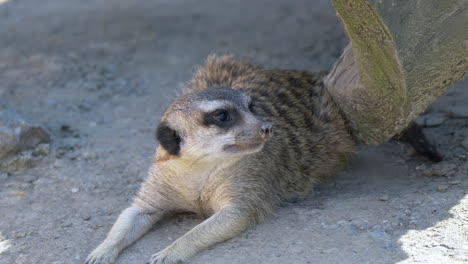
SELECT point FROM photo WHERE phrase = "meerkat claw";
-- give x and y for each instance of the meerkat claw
(163, 257)
(100, 257)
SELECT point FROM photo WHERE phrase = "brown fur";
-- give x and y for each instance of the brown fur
(310, 143)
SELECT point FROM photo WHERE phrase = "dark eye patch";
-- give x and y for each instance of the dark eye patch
(168, 138)
(252, 106)
(223, 118)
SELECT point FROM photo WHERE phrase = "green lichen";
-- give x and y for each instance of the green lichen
(373, 111)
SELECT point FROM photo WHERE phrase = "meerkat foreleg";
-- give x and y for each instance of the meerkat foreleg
(131, 224)
(224, 224)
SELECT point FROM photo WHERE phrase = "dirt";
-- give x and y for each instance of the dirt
(98, 74)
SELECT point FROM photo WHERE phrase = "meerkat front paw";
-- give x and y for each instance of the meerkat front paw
(165, 256)
(102, 256)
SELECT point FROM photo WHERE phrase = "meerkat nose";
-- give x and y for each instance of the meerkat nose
(266, 130)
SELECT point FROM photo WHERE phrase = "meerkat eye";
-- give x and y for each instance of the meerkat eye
(221, 115)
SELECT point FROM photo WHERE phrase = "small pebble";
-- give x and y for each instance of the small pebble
(296, 250)
(96, 226)
(328, 250)
(465, 143)
(75, 190)
(20, 193)
(3, 176)
(66, 224)
(341, 222)
(421, 167)
(455, 182)
(412, 152)
(440, 249)
(384, 197)
(89, 155)
(440, 169)
(442, 188)
(21, 235)
(58, 164)
(86, 217)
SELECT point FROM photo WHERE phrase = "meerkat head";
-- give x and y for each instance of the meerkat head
(212, 123)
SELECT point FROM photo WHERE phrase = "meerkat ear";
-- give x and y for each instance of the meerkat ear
(168, 138)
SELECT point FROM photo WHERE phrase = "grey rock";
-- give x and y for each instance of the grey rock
(86, 217)
(17, 134)
(430, 120)
(458, 112)
(420, 120)
(384, 197)
(328, 250)
(25, 159)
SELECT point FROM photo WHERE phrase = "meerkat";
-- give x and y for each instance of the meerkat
(237, 143)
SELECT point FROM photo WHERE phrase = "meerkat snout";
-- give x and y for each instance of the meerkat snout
(266, 131)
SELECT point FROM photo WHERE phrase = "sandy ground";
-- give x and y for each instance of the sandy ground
(98, 74)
